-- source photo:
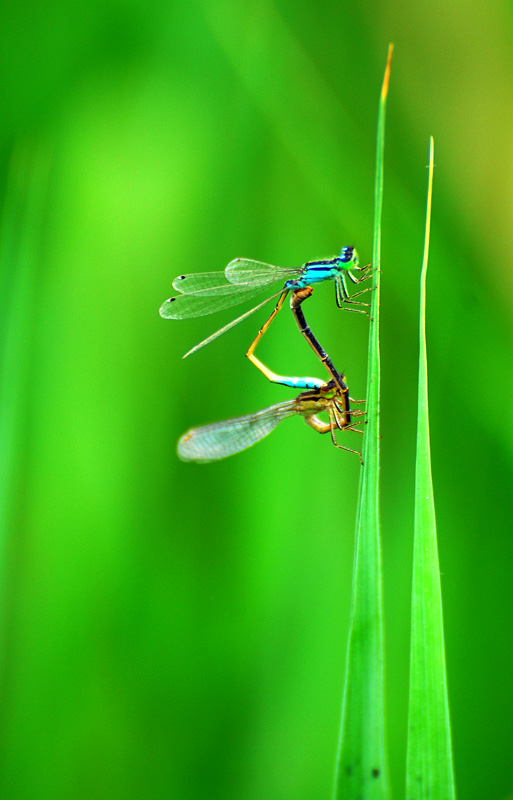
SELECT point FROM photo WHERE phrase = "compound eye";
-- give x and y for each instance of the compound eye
(346, 254)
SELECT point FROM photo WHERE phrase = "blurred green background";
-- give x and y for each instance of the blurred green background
(179, 631)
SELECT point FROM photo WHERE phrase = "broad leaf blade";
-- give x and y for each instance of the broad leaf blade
(362, 771)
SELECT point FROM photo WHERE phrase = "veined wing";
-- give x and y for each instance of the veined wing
(202, 303)
(257, 273)
(204, 283)
(223, 439)
(230, 324)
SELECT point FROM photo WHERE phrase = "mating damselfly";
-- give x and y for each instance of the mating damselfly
(222, 439)
(203, 293)
(297, 298)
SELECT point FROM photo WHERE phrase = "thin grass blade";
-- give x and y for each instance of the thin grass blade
(430, 772)
(362, 771)
(20, 231)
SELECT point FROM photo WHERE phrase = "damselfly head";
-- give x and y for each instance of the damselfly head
(348, 256)
(328, 391)
(333, 389)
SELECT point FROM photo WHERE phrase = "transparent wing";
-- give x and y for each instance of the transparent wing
(203, 282)
(257, 273)
(223, 439)
(202, 303)
(230, 324)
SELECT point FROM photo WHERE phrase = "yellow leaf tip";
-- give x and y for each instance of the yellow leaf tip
(386, 78)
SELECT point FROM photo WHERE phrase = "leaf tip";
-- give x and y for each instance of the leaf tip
(386, 78)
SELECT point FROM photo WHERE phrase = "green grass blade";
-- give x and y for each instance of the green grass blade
(361, 762)
(20, 229)
(429, 771)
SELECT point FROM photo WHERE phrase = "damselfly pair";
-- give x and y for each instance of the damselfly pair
(206, 293)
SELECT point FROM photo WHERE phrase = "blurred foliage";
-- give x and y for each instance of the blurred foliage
(172, 630)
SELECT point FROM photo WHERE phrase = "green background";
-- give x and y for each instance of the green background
(179, 631)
